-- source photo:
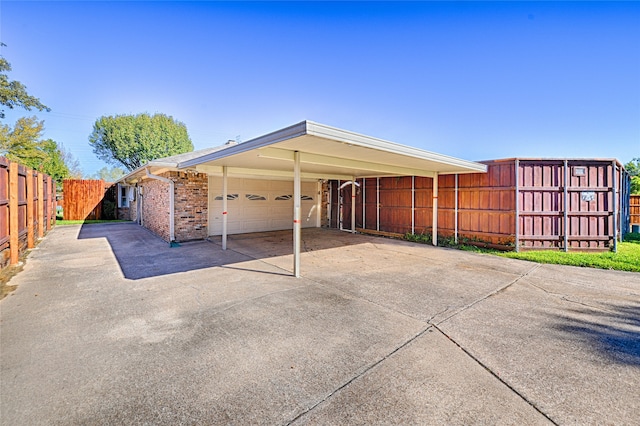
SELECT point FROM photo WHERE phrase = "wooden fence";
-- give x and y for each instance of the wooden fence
(634, 209)
(27, 209)
(85, 199)
(520, 204)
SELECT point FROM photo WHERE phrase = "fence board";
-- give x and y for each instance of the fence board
(19, 207)
(83, 198)
(487, 204)
(634, 209)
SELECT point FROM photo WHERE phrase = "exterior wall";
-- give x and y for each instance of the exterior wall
(190, 206)
(324, 205)
(155, 210)
(124, 213)
(533, 191)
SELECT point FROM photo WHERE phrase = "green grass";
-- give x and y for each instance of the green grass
(61, 222)
(626, 259)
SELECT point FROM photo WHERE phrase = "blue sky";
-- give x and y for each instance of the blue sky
(473, 80)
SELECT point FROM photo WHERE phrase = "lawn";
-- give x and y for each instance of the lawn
(626, 259)
(61, 222)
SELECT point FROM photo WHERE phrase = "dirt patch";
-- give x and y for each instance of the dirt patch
(5, 275)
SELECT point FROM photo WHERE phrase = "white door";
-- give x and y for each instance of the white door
(256, 205)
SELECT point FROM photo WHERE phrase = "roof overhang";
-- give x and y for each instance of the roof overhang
(328, 153)
(325, 153)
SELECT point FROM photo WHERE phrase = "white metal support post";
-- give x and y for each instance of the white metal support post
(455, 219)
(297, 226)
(224, 206)
(364, 203)
(377, 204)
(434, 226)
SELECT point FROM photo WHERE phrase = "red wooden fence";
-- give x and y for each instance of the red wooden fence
(27, 209)
(634, 209)
(83, 198)
(518, 203)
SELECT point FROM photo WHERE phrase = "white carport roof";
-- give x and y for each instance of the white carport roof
(327, 153)
(309, 150)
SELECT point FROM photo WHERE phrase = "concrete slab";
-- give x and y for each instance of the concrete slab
(110, 325)
(430, 381)
(567, 339)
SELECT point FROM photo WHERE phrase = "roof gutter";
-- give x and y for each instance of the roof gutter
(172, 237)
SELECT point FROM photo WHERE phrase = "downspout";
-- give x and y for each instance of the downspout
(455, 220)
(172, 237)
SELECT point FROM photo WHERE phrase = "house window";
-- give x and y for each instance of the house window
(255, 197)
(289, 197)
(123, 196)
(230, 197)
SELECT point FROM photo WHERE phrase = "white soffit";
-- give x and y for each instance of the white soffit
(328, 152)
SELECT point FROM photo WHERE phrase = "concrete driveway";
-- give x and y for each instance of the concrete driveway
(111, 326)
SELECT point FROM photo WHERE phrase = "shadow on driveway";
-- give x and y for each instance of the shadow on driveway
(142, 254)
(614, 331)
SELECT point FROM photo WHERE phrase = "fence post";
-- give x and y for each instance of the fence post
(40, 205)
(54, 201)
(30, 196)
(13, 214)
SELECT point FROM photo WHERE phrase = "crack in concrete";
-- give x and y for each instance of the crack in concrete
(359, 375)
(495, 375)
(566, 298)
(493, 293)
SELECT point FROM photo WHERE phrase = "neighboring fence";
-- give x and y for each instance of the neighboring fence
(518, 203)
(634, 209)
(88, 199)
(27, 209)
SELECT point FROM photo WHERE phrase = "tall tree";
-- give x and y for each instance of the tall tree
(24, 144)
(133, 140)
(13, 93)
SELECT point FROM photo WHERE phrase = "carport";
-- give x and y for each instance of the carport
(310, 150)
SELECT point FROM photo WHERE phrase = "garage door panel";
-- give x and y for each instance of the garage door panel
(256, 205)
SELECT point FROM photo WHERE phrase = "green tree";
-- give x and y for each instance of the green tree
(633, 168)
(13, 93)
(109, 174)
(133, 140)
(24, 144)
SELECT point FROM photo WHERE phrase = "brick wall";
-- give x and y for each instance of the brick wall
(155, 207)
(324, 217)
(190, 206)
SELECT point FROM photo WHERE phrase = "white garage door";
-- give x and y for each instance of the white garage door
(256, 205)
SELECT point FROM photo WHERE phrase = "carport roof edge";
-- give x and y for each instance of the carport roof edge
(326, 142)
